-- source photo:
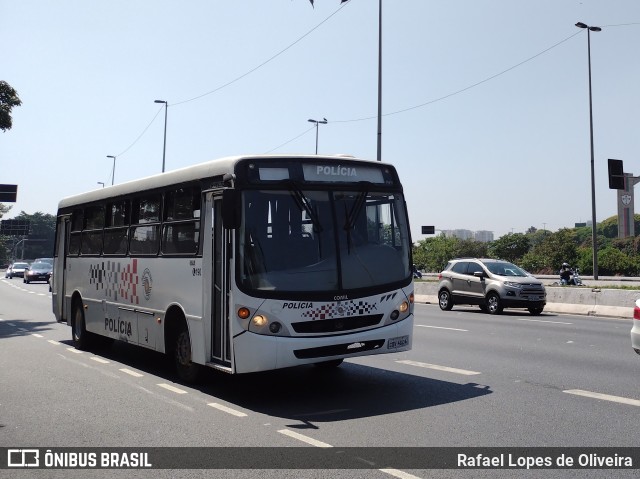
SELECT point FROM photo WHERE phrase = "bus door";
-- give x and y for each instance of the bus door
(219, 251)
(58, 278)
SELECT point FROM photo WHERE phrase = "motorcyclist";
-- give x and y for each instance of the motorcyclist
(565, 274)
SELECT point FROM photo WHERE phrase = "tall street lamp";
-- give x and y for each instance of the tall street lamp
(113, 171)
(594, 239)
(323, 122)
(101, 183)
(164, 148)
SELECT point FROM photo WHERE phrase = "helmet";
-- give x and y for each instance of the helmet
(565, 265)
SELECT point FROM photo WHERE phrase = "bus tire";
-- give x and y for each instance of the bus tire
(82, 339)
(187, 370)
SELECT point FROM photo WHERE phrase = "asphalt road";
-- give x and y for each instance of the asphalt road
(470, 380)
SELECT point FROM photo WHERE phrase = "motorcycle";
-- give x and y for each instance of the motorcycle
(416, 273)
(574, 280)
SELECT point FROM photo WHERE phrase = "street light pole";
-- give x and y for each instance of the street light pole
(113, 171)
(594, 238)
(101, 183)
(164, 148)
(324, 122)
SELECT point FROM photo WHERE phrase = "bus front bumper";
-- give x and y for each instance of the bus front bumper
(255, 352)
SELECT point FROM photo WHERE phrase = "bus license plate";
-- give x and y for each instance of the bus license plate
(398, 342)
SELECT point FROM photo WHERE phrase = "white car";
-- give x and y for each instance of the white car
(635, 330)
(16, 269)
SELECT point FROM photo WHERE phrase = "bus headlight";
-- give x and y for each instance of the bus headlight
(243, 313)
(404, 307)
(259, 320)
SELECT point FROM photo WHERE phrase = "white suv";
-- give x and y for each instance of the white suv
(491, 284)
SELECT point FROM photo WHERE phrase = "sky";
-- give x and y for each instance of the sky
(485, 103)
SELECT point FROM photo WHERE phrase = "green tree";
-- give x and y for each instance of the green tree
(432, 254)
(612, 261)
(471, 248)
(555, 249)
(8, 99)
(511, 247)
(42, 229)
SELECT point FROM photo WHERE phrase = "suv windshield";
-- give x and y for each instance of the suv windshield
(503, 268)
(292, 240)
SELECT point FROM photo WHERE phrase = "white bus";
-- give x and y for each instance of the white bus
(241, 264)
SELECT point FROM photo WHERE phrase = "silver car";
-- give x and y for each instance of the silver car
(635, 330)
(16, 269)
(491, 284)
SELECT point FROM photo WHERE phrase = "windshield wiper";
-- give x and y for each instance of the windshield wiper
(303, 203)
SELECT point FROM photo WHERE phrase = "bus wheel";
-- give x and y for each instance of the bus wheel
(334, 363)
(187, 370)
(81, 337)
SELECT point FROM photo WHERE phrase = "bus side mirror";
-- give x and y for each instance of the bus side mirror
(230, 209)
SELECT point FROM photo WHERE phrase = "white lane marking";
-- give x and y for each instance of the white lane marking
(131, 373)
(11, 324)
(604, 397)
(315, 442)
(226, 409)
(99, 360)
(42, 294)
(38, 335)
(303, 438)
(440, 327)
(400, 474)
(74, 350)
(540, 321)
(55, 343)
(439, 368)
(172, 388)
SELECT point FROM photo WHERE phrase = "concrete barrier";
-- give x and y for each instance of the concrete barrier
(617, 303)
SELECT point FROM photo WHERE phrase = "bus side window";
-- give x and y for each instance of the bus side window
(181, 221)
(77, 219)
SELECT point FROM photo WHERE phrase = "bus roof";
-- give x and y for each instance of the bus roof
(209, 169)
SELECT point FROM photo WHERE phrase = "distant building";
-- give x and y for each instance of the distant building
(482, 236)
(460, 234)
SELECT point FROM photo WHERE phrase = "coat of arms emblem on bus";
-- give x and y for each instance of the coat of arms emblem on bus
(147, 283)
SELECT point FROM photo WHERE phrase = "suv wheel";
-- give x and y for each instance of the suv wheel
(494, 306)
(535, 311)
(444, 300)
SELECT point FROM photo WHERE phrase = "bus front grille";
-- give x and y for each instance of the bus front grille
(339, 349)
(337, 325)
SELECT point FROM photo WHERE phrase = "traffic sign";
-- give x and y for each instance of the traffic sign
(8, 193)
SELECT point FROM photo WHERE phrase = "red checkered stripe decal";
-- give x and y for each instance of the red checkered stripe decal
(119, 283)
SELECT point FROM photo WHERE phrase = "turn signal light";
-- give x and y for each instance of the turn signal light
(244, 313)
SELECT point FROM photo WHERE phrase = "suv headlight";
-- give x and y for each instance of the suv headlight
(511, 284)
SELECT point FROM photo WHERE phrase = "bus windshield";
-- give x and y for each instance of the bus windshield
(292, 240)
